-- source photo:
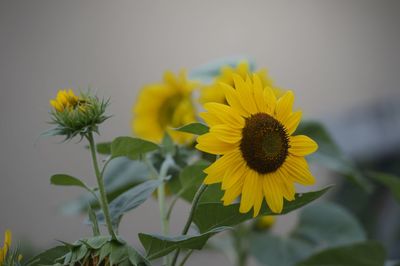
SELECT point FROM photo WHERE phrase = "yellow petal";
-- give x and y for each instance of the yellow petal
(259, 94)
(233, 99)
(259, 196)
(284, 106)
(292, 122)
(232, 193)
(8, 238)
(209, 143)
(210, 119)
(270, 100)
(216, 171)
(246, 96)
(273, 193)
(297, 169)
(302, 145)
(226, 113)
(235, 171)
(226, 133)
(248, 192)
(287, 185)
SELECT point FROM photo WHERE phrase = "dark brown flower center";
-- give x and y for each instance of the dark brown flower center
(264, 144)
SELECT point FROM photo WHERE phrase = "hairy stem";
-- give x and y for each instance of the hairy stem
(100, 182)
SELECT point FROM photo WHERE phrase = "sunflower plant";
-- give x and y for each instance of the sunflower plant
(238, 163)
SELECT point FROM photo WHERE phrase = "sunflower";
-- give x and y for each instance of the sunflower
(163, 106)
(261, 159)
(214, 92)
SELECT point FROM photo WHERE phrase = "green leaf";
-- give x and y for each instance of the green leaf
(329, 154)
(194, 128)
(48, 257)
(320, 225)
(136, 258)
(104, 148)
(67, 180)
(133, 148)
(392, 182)
(120, 175)
(157, 246)
(118, 253)
(191, 177)
(273, 250)
(214, 214)
(129, 200)
(368, 253)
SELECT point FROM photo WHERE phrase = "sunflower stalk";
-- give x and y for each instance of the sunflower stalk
(239, 236)
(185, 230)
(100, 182)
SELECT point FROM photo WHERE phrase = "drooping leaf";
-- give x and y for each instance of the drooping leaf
(330, 155)
(157, 246)
(214, 214)
(133, 148)
(392, 182)
(194, 128)
(370, 253)
(321, 225)
(67, 180)
(129, 200)
(48, 257)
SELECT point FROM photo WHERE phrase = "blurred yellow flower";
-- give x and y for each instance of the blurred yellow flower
(214, 92)
(6, 247)
(64, 100)
(261, 159)
(265, 222)
(160, 107)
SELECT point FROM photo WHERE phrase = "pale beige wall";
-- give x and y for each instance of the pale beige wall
(334, 54)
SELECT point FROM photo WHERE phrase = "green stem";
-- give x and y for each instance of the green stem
(164, 218)
(100, 182)
(186, 257)
(195, 202)
(241, 244)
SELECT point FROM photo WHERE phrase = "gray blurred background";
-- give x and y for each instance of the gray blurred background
(340, 57)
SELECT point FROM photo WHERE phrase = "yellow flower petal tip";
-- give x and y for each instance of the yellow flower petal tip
(254, 130)
(227, 76)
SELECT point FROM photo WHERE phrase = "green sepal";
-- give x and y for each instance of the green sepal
(100, 247)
